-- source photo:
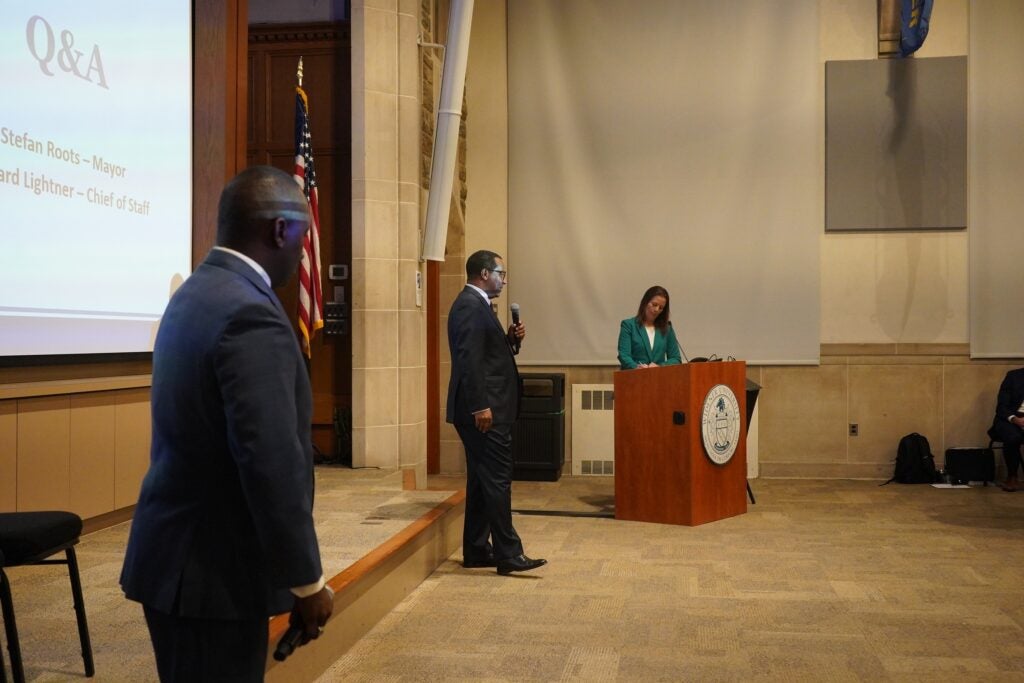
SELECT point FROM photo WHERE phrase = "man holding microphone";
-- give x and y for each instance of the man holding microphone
(483, 403)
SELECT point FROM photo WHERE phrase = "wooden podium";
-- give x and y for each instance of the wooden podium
(662, 471)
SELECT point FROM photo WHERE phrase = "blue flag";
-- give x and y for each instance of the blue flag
(914, 18)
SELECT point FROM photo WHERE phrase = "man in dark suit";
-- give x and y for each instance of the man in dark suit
(1008, 424)
(483, 403)
(223, 534)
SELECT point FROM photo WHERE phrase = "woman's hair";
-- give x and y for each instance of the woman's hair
(661, 322)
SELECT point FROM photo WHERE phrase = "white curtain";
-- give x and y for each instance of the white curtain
(671, 142)
(995, 170)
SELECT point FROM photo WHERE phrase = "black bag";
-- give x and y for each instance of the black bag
(914, 461)
(970, 464)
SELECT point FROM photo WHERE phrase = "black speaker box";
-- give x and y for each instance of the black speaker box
(970, 464)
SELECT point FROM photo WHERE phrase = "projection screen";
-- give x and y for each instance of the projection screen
(95, 172)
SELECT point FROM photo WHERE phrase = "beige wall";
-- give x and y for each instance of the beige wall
(887, 391)
(389, 330)
(83, 452)
(487, 135)
(893, 306)
(903, 287)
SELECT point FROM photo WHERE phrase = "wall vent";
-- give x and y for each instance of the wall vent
(593, 429)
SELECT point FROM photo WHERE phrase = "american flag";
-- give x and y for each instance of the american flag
(311, 298)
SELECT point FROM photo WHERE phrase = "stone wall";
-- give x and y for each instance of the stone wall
(388, 322)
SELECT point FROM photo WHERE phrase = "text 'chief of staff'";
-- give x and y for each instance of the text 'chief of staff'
(483, 403)
(222, 536)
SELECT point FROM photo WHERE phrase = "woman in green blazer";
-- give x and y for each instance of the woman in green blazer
(647, 340)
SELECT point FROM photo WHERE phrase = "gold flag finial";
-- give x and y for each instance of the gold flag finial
(299, 72)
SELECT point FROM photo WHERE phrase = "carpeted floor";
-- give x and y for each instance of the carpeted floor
(820, 581)
(355, 511)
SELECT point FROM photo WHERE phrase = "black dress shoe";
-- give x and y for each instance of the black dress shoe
(520, 563)
(477, 564)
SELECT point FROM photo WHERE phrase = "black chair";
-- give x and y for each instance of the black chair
(3, 590)
(28, 538)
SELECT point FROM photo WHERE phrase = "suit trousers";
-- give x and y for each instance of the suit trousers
(1012, 437)
(488, 493)
(197, 650)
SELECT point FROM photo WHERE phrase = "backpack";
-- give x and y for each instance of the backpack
(914, 461)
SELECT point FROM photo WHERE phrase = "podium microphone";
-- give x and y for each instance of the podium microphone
(515, 321)
(681, 350)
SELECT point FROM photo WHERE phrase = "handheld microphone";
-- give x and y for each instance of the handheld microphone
(515, 321)
(291, 639)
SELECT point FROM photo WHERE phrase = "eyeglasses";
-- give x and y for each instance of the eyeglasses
(501, 273)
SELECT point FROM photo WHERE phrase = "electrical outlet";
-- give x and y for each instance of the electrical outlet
(854, 429)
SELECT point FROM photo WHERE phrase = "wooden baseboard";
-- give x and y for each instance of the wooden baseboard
(408, 479)
(107, 519)
(366, 591)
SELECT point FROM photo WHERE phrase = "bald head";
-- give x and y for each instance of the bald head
(254, 195)
(261, 212)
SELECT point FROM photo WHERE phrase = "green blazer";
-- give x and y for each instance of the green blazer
(635, 346)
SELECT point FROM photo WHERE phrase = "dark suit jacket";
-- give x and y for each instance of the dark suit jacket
(1011, 395)
(635, 347)
(484, 373)
(224, 525)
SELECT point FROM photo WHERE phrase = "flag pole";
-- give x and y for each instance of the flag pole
(310, 313)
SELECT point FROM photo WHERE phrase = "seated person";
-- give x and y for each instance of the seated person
(647, 340)
(1008, 424)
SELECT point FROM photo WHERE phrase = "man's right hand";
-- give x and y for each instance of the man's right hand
(1019, 421)
(483, 419)
(312, 612)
